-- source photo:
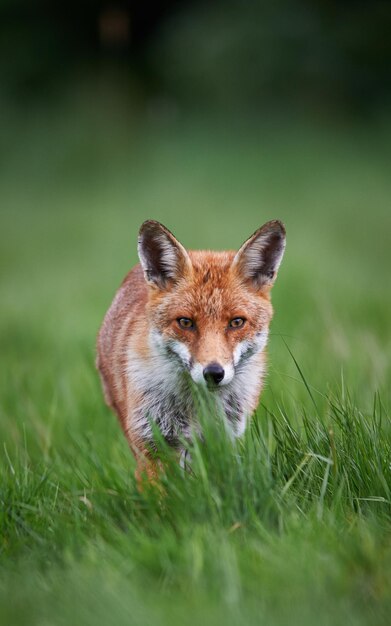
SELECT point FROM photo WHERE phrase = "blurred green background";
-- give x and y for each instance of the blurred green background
(211, 118)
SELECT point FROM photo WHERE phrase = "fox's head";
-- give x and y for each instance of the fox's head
(210, 311)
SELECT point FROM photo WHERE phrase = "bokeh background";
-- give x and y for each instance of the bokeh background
(211, 117)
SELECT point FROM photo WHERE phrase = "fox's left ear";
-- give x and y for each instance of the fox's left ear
(260, 256)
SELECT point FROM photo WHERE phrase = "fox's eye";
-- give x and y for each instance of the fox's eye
(185, 322)
(237, 322)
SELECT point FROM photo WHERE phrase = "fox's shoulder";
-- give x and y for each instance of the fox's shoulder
(134, 283)
(132, 293)
(128, 305)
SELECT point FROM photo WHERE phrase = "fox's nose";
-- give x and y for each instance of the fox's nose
(213, 372)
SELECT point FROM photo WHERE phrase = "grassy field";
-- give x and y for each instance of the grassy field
(290, 525)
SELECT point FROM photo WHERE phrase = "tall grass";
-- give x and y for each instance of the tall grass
(289, 522)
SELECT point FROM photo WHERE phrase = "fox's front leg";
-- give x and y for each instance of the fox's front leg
(149, 468)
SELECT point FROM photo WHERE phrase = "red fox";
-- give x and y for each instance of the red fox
(184, 317)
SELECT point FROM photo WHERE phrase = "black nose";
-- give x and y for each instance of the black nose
(213, 372)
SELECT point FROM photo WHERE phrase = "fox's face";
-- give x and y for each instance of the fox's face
(210, 311)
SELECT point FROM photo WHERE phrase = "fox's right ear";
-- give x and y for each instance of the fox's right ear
(163, 259)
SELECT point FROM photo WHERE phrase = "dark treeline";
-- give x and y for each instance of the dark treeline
(335, 53)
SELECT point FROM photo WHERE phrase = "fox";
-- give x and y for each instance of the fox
(185, 319)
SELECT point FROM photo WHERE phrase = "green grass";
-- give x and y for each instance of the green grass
(291, 524)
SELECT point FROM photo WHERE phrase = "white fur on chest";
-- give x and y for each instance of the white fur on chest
(158, 383)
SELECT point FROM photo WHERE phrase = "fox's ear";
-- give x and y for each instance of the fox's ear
(163, 259)
(260, 256)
